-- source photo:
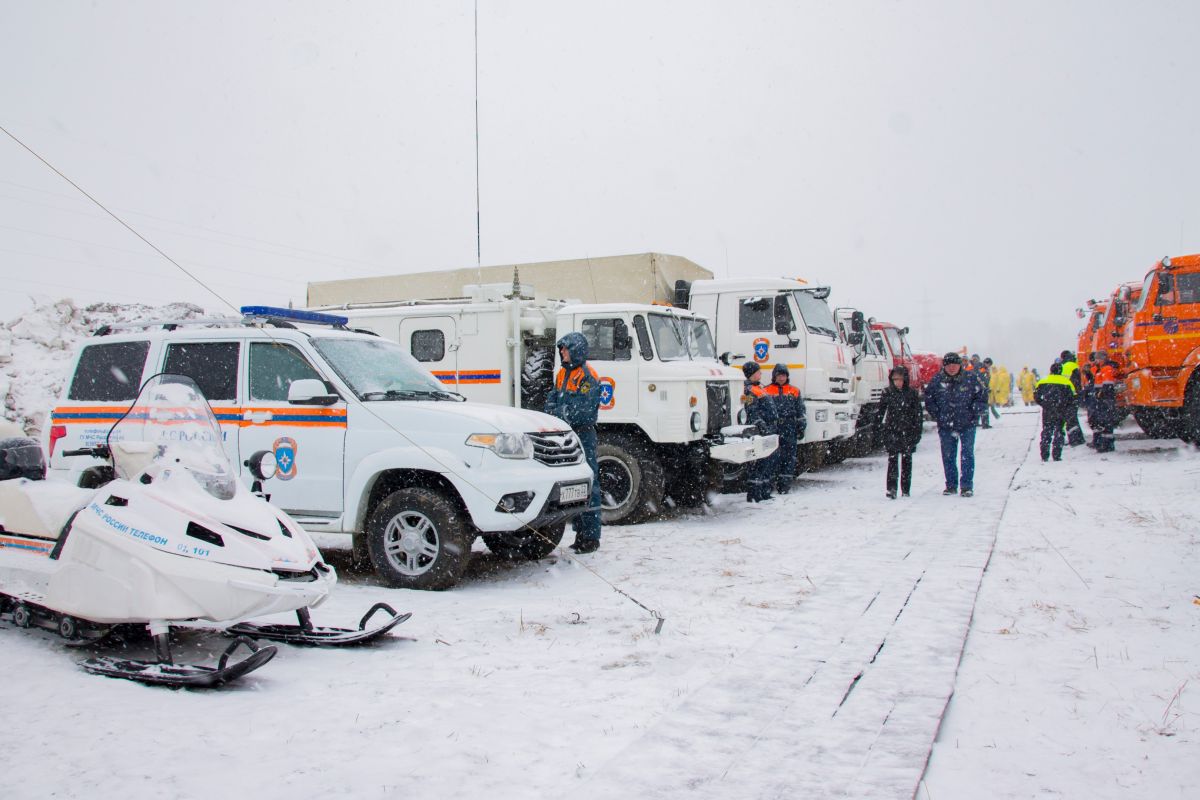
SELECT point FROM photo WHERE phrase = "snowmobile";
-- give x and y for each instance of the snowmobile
(169, 534)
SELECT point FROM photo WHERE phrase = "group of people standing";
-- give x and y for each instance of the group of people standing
(1069, 386)
(775, 408)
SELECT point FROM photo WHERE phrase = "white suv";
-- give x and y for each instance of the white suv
(367, 442)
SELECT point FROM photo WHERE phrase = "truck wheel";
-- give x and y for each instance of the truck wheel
(524, 544)
(417, 540)
(1189, 423)
(537, 377)
(631, 480)
(1155, 423)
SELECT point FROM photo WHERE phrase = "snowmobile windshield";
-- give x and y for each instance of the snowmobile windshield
(376, 369)
(170, 425)
(818, 317)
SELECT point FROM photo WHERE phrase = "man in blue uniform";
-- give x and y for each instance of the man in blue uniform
(575, 399)
(956, 400)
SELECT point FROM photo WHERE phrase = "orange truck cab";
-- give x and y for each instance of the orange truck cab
(1162, 348)
(1111, 336)
(1095, 314)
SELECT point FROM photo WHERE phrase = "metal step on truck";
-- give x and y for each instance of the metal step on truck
(667, 426)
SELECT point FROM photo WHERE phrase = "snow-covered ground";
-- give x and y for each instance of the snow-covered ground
(810, 647)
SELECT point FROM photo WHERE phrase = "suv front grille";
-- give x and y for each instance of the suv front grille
(718, 405)
(559, 449)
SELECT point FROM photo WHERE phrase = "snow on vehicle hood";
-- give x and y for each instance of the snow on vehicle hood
(440, 414)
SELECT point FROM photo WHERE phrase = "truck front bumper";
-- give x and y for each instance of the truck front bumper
(744, 449)
(827, 421)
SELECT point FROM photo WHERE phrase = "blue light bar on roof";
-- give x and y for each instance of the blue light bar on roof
(292, 313)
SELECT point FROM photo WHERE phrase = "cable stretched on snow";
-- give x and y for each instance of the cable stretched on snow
(659, 618)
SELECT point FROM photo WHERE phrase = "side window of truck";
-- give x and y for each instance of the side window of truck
(608, 339)
(755, 314)
(428, 345)
(109, 372)
(643, 337)
(1187, 287)
(879, 345)
(212, 365)
(273, 367)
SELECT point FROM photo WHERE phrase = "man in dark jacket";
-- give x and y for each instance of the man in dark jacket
(1056, 395)
(790, 407)
(900, 429)
(762, 414)
(575, 399)
(956, 400)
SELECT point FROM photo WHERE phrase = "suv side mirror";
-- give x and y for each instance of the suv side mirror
(310, 392)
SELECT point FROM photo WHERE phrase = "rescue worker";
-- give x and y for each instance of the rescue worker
(1056, 395)
(1104, 403)
(761, 413)
(1025, 383)
(984, 370)
(575, 399)
(1070, 371)
(956, 400)
(900, 422)
(790, 407)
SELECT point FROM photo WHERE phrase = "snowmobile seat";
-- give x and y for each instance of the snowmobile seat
(39, 508)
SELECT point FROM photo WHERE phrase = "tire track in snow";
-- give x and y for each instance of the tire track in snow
(845, 698)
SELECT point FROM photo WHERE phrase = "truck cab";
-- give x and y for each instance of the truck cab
(1162, 348)
(894, 340)
(871, 368)
(778, 320)
(666, 425)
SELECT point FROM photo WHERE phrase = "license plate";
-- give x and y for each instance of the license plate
(573, 493)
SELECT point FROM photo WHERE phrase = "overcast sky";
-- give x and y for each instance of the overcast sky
(973, 170)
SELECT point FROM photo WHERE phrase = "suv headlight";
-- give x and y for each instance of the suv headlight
(505, 445)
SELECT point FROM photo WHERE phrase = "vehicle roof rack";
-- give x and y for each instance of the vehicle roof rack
(251, 315)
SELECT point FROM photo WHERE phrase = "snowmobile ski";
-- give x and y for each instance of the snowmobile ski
(193, 676)
(307, 634)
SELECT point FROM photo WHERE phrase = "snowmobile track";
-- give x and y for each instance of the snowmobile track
(872, 665)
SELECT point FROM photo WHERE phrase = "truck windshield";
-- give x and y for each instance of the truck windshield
(698, 338)
(668, 338)
(1141, 302)
(376, 369)
(817, 316)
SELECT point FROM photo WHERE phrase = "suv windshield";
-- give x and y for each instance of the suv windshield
(679, 338)
(817, 316)
(376, 369)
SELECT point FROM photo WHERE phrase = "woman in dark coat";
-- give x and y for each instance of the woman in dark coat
(900, 428)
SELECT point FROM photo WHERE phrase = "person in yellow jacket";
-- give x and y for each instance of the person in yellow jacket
(1025, 382)
(1000, 386)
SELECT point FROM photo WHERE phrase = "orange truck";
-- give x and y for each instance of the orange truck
(1162, 348)
(1095, 314)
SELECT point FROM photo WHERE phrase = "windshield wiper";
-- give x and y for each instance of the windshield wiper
(411, 394)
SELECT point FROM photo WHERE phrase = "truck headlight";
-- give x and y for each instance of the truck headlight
(822, 415)
(695, 422)
(505, 445)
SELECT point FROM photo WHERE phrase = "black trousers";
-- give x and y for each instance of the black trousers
(1052, 434)
(901, 470)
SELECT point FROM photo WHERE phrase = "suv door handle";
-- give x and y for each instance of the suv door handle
(257, 416)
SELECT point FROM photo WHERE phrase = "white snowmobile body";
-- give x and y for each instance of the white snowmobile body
(175, 536)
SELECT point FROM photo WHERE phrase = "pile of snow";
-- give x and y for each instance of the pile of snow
(35, 349)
